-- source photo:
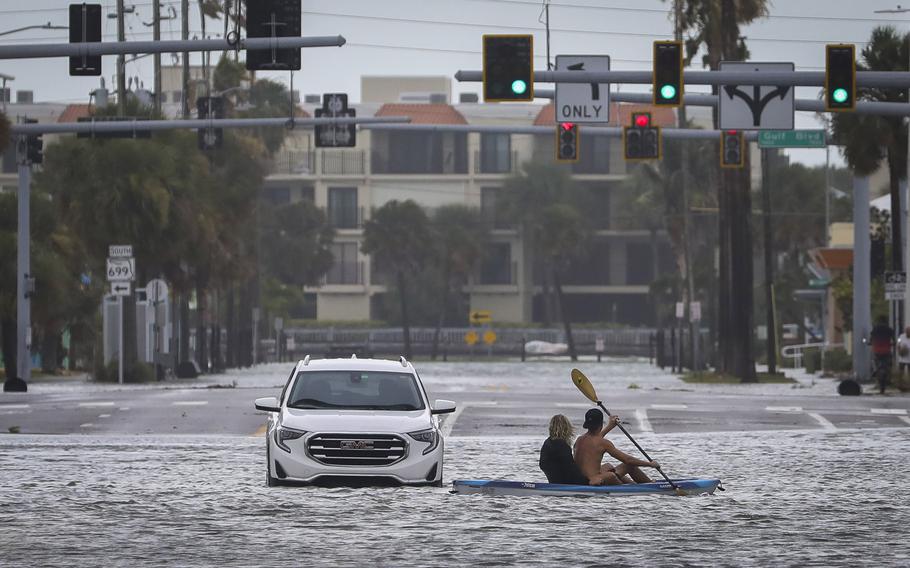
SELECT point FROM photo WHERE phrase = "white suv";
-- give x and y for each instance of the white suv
(339, 419)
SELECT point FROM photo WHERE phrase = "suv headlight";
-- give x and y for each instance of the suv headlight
(429, 436)
(283, 434)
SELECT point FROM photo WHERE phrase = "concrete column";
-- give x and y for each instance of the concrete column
(862, 317)
(23, 302)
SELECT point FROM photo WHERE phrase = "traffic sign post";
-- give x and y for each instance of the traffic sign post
(579, 102)
(121, 288)
(480, 316)
(121, 271)
(895, 285)
(756, 107)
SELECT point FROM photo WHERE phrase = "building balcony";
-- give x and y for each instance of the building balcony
(343, 162)
(490, 164)
(294, 162)
(344, 273)
(346, 217)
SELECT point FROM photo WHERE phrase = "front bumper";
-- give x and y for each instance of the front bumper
(298, 466)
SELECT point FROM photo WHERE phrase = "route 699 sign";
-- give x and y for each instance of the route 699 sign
(121, 269)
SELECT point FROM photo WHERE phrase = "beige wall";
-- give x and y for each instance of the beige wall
(386, 89)
(343, 307)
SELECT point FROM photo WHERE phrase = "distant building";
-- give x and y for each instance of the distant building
(434, 169)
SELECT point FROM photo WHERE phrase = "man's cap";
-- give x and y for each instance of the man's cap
(593, 417)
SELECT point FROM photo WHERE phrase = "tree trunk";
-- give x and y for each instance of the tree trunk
(565, 317)
(183, 349)
(215, 348)
(230, 309)
(406, 329)
(201, 330)
(8, 336)
(245, 324)
(741, 278)
(443, 308)
(50, 341)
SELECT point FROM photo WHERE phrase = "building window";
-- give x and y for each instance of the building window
(594, 157)
(343, 210)
(420, 153)
(639, 264)
(495, 153)
(347, 268)
(592, 267)
(307, 193)
(598, 205)
(496, 267)
(277, 195)
(491, 208)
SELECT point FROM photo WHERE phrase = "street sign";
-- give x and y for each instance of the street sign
(272, 19)
(156, 291)
(85, 26)
(895, 285)
(121, 288)
(599, 344)
(791, 139)
(695, 311)
(756, 107)
(121, 269)
(120, 251)
(480, 316)
(489, 337)
(279, 324)
(335, 105)
(586, 103)
(471, 337)
(680, 310)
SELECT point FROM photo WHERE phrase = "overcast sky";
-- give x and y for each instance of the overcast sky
(438, 37)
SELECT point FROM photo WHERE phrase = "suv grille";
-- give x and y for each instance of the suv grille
(357, 449)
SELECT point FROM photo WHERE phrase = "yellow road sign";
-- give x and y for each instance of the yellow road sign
(471, 337)
(489, 337)
(480, 316)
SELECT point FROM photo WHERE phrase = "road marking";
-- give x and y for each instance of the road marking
(643, 423)
(486, 403)
(898, 411)
(669, 406)
(86, 425)
(261, 430)
(572, 405)
(95, 404)
(190, 403)
(104, 416)
(824, 422)
(13, 406)
(449, 422)
(784, 408)
(905, 419)
(124, 408)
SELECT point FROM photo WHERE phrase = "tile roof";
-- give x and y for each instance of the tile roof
(620, 115)
(423, 113)
(73, 112)
(834, 258)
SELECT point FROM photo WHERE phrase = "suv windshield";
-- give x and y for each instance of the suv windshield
(355, 390)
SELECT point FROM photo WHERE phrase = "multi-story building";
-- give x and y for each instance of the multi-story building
(436, 168)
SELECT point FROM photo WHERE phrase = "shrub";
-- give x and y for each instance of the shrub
(838, 361)
(142, 373)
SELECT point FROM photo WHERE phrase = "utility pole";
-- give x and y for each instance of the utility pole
(769, 262)
(694, 333)
(23, 294)
(185, 35)
(156, 35)
(121, 62)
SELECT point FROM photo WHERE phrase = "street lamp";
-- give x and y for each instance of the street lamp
(47, 26)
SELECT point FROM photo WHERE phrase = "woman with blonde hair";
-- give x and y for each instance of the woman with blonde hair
(556, 454)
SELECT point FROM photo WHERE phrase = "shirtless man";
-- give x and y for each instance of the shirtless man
(591, 446)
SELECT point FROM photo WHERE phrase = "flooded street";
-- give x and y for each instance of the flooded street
(793, 498)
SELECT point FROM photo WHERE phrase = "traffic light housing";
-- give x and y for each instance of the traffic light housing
(85, 26)
(642, 140)
(335, 135)
(732, 149)
(840, 77)
(667, 76)
(508, 68)
(567, 142)
(34, 145)
(273, 18)
(210, 107)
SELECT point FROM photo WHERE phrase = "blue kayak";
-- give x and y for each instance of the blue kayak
(497, 487)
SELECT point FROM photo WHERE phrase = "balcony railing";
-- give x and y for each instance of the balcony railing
(346, 217)
(343, 162)
(485, 163)
(299, 162)
(345, 273)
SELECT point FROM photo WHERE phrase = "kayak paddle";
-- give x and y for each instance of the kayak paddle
(587, 389)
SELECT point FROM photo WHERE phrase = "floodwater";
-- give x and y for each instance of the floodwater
(793, 499)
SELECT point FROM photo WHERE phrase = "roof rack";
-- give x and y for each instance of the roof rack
(306, 360)
(403, 361)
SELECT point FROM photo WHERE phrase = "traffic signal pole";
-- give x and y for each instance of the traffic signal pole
(23, 373)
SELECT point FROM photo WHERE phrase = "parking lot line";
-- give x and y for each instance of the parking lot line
(449, 422)
(895, 411)
(190, 403)
(824, 422)
(95, 404)
(13, 406)
(643, 423)
(784, 408)
(86, 425)
(669, 406)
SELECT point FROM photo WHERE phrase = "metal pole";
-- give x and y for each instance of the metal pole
(121, 62)
(827, 196)
(23, 263)
(769, 262)
(862, 317)
(156, 35)
(185, 35)
(120, 341)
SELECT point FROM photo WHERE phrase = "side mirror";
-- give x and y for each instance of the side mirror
(443, 407)
(268, 404)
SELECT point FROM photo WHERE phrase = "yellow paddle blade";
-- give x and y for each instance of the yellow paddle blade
(584, 385)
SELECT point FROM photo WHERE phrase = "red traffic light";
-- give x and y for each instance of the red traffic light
(567, 125)
(731, 132)
(642, 120)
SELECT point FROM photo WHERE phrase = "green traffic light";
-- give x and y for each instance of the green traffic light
(668, 91)
(839, 95)
(519, 87)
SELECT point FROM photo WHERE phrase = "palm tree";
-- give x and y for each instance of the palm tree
(399, 239)
(459, 236)
(714, 26)
(547, 206)
(868, 140)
